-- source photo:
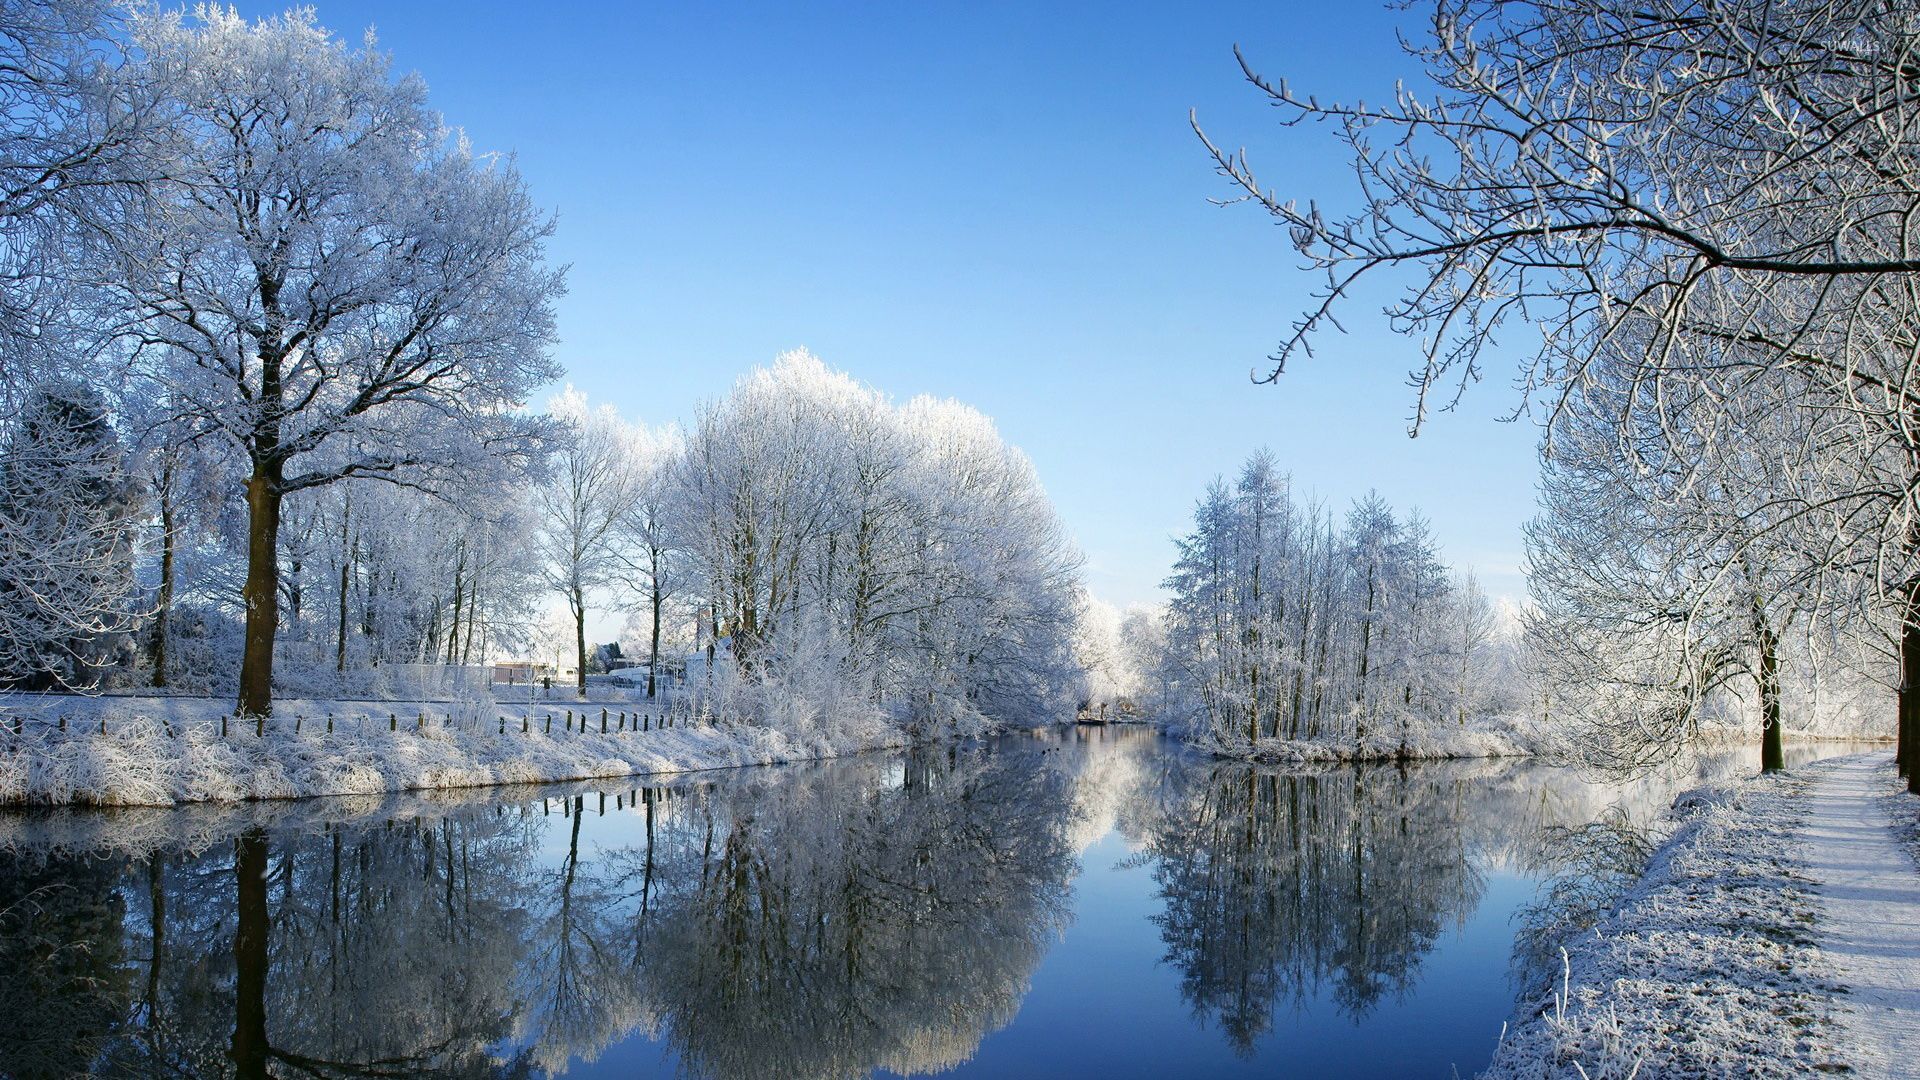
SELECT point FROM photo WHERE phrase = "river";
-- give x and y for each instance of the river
(1087, 901)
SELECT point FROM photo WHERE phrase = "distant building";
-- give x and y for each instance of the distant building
(522, 672)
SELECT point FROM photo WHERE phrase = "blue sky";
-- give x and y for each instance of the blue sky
(1000, 203)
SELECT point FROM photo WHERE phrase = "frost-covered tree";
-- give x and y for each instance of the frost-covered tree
(1578, 165)
(904, 557)
(1143, 651)
(327, 279)
(1283, 625)
(68, 528)
(1111, 678)
(584, 505)
(375, 574)
(652, 553)
(1667, 565)
(73, 135)
(184, 478)
(1476, 633)
(1715, 201)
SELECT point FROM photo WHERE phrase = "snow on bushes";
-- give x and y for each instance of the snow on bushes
(145, 759)
(1706, 968)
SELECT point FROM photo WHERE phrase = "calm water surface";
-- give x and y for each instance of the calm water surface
(1089, 902)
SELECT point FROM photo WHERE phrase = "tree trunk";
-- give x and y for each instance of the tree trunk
(1908, 727)
(346, 583)
(157, 936)
(473, 621)
(261, 593)
(653, 647)
(580, 636)
(1772, 754)
(646, 880)
(163, 604)
(452, 653)
(1366, 647)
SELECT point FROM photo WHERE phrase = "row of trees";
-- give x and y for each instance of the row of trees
(289, 272)
(843, 551)
(1287, 625)
(269, 327)
(1705, 211)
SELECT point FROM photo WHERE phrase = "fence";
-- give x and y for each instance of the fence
(571, 722)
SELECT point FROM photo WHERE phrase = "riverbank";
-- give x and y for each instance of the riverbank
(161, 752)
(1769, 936)
(1487, 737)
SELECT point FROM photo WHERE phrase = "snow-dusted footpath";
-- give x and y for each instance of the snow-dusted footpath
(147, 757)
(1870, 905)
(1772, 935)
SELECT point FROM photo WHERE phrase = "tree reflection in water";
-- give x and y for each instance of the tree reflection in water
(832, 927)
(64, 987)
(820, 922)
(1279, 886)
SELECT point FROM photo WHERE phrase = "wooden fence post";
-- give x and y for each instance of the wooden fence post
(393, 722)
(603, 721)
(223, 725)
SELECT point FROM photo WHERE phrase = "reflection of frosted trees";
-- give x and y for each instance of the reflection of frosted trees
(63, 984)
(821, 922)
(393, 946)
(581, 988)
(845, 920)
(382, 951)
(1277, 886)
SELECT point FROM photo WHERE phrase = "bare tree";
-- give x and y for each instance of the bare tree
(328, 279)
(68, 521)
(583, 505)
(1715, 198)
(652, 547)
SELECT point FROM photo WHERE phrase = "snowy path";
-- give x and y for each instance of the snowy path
(1870, 890)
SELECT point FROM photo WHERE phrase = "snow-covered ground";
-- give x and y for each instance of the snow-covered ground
(166, 751)
(1772, 934)
(1869, 929)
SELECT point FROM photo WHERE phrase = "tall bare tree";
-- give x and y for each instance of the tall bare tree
(1725, 186)
(329, 279)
